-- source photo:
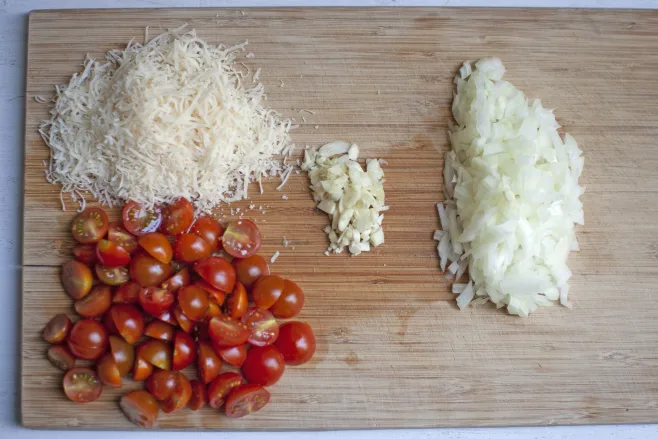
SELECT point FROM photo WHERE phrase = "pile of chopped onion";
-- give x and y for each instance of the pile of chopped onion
(512, 196)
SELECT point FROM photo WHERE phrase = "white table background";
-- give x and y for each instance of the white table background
(13, 37)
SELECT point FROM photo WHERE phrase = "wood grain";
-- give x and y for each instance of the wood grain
(393, 350)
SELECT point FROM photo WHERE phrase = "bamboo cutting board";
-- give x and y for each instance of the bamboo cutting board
(393, 350)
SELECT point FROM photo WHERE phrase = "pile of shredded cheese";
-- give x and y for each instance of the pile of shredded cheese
(166, 119)
(352, 197)
(512, 196)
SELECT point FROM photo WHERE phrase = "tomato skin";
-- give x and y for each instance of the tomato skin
(226, 332)
(267, 290)
(125, 320)
(139, 220)
(87, 340)
(190, 248)
(234, 355)
(193, 302)
(217, 272)
(210, 230)
(179, 280)
(77, 279)
(159, 330)
(248, 270)
(184, 350)
(262, 326)
(111, 255)
(82, 385)
(156, 352)
(148, 271)
(154, 301)
(96, 303)
(213, 310)
(241, 238)
(120, 236)
(112, 276)
(246, 399)
(108, 371)
(296, 342)
(237, 302)
(199, 398)
(60, 357)
(177, 217)
(157, 245)
(221, 386)
(208, 363)
(291, 301)
(123, 354)
(161, 384)
(127, 293)
(168, 317)
(264, 365)
(90, 225)
(142, 369)
(57, 329)
(183, 320)
(181, 396)
(140, 408)
(85, 253)
(215, 294)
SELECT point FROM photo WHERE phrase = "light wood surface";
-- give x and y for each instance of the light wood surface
(393, 350)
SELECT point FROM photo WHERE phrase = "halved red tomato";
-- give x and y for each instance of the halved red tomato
(161, 384)
(291, 301)
(189, 248)
(87, 340)
(184, 350)
(208, 363)
(193, 302)
(90, 226)
(177, 217)
(248, 270)
(157, 245)
(198, 399)
(156, 352)
(142, 369)
(225, 331)
(181, 395)
(123, 353)
(159, 330)
(183, 320)
(221, 386)
(111, 255)
(213, 310)
(125, 320)
(234, 355)
(95, 303)
(210, 230)
(77, 279)
(148, 271)
(246, 399)
(108, 371)
(140, 408)
(263, 328)
(177, 281)
(127, 293)
(215, 294)
(237, 302)
(61, 357)
(120, 236)
(296, 342)
(138, 220)
(241, 238)
(81, 384)
(217, 272)
(112, 276)
(168, 317)
(267, 290)
(154, 301)
(57, 329)
(85, 253)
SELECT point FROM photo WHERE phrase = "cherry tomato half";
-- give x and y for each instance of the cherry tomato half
(138, 220)
(193, 302)
(248, 270)
(82, 385)
(120, 236)
(234, 355)
(156, 352)
(246, 399)
(296, 342)
(159, 330)
(213, 293)
(262, 326)
(57, 329)
(210, 230)
(241, 238)
(177, 281)
(140, 408)
(183, 320)
(85, 253)
(226, 332)
(142, 368)
(291, 301)
(90, 225)
(111, 255)
(217, 272)
(112, 276)
(148, 271)
(157, 245)
(125, 320)
(87, 340)
(237, 302)
(208, 363)
(181, 395)
(198, 399)
(213, 310)
(127, 293)
(95, 303)
(177, 217)
(77, 279)
(123, 354)
(108, 371)
(184, 350)
(60, 357)
(264, 365)
(154, 301)
(161, 384)
(267, 290)
(221, 386)
(189, 248)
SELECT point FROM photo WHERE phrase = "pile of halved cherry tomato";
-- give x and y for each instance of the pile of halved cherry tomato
(155, 297)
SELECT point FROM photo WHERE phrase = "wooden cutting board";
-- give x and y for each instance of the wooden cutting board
(393, 349)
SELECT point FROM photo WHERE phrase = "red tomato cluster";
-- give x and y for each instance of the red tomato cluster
(154, 297)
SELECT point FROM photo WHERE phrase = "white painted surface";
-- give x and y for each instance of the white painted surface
(13, 35)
